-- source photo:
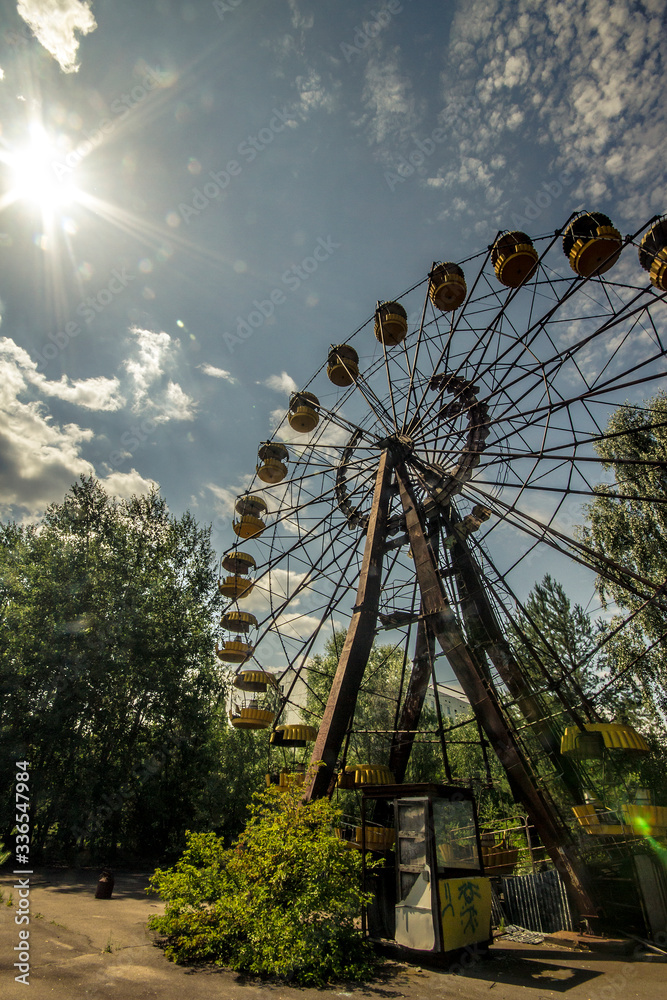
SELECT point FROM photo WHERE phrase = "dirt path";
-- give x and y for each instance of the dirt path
(84, 947)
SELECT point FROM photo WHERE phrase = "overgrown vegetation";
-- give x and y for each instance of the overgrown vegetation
(110, 686)
(284, 900)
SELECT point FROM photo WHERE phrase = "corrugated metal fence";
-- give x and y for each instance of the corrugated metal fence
(537, 902)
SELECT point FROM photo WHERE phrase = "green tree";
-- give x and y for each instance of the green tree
(572, 648)
(560, 645)
(284, 899)
(561, 635)
(110, 687)
(632, 532)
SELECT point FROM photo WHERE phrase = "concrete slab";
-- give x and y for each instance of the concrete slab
(84, 947)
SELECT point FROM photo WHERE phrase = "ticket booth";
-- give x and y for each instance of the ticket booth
(431, 895)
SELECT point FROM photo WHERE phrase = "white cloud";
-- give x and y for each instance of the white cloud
(92, 393)
(225, 497)
(281, 383)
(276, 587)
(127, 484)
(300, 21)
(175, 405)
(39, 460)
(218, 373)
(55, 23)
(387, 97)
(97, 393)
(157, 353)
(313, 94)
(579, 82)
(147, 368)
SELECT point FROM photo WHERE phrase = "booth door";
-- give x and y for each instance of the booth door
(415, 925)
(464, 894)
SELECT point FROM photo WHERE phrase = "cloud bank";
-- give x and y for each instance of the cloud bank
(54, 24)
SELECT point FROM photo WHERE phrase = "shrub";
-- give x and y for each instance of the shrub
(284, 899)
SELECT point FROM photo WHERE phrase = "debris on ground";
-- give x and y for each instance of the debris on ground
(521, 934)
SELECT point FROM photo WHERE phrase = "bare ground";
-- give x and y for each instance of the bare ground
(84, 947)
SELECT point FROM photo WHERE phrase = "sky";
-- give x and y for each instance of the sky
(199, 198)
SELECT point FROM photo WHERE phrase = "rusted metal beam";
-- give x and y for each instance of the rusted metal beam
(401, 744)
(484, 630)
(420, 675)
(342, 699)
(485, 705)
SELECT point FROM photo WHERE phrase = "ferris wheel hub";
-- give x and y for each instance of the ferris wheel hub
(401, 446)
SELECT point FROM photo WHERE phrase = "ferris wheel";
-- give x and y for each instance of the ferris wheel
(427, 475)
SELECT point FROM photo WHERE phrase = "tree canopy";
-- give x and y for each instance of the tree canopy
(110, 686)
(632, 531)
(571, 648)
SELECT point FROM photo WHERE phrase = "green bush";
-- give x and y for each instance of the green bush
(285, 899)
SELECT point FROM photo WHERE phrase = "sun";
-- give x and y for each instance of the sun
(37, 175)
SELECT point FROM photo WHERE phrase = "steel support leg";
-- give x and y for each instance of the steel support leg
(486, 707)
(342, 700)
(483, 625)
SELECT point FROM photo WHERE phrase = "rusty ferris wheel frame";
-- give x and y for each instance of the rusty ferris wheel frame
(498, 405)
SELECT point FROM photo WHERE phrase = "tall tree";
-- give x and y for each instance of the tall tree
(110, 687)
(561, 647)
(632, 531)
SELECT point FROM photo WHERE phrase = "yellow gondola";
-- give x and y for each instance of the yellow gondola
(239, 584)
(391, 323)
(293, 736)
(236, 648)
(234, 651)
(599, 736)
(273, 457)
(632, 820)
(653, 254)
(251, 717)
(598, 821)
(645, 820)
(499, 859)
(447, 286)
(238, 621)
(514, 258)
(254, 680)
(343, 365)
(591, 244)
(378, 838)
(286, 778)
(355, 775)
(250, 508)
(303, 413)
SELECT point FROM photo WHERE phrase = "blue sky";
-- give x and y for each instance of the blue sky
(177, 175)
